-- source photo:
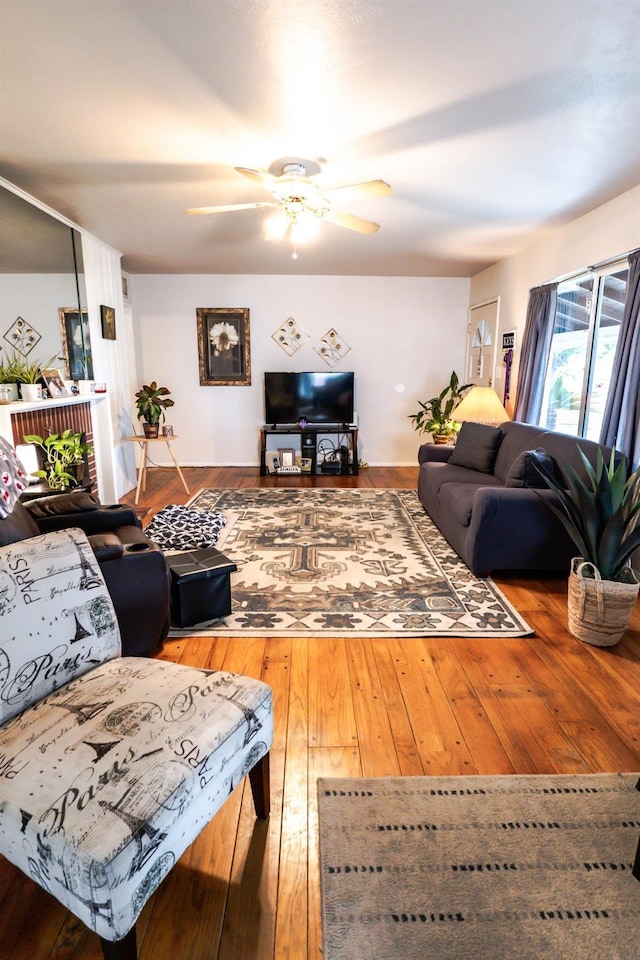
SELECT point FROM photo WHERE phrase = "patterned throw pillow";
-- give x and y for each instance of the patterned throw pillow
(13, 479)
(175, 527)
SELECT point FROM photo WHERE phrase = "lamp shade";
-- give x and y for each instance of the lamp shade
(481, 405)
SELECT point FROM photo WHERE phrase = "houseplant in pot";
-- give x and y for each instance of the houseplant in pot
(152, 401)
(435, 415)
(64, 458)
(28, 374)
(601, 515)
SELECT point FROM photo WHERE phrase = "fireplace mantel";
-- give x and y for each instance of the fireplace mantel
(88, 414)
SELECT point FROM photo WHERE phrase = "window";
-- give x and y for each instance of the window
(585, 334)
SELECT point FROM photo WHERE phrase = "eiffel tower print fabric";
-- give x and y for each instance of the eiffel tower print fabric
(105, 781)
(56, 617)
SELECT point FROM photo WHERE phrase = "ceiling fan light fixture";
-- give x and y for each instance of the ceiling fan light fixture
(277, 226)
(304, 227)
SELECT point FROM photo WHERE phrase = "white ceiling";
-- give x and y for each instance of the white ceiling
(492, 120)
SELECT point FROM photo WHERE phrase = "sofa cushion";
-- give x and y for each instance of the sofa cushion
(476, 447)
(523, 472)
(110, 778)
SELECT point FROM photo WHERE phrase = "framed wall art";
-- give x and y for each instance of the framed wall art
(76, 343)
(224, 356)
(108, 319)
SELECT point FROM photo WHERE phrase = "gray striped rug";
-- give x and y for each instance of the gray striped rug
(480, 868)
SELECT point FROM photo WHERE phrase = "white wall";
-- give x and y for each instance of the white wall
(402, 331)
(36, 298)
(609, 230)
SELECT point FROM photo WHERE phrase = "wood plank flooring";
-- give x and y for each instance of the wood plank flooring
(249, 890)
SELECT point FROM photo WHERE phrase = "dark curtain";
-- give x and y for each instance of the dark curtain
(621, 420)
(534, 355)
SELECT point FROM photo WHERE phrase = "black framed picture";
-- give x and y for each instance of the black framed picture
(76, 343)
(224, 356)
(108, 318)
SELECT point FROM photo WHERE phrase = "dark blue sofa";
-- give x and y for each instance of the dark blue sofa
(492, 526)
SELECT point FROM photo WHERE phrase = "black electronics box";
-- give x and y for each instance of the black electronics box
(200, 586)
(330, 466)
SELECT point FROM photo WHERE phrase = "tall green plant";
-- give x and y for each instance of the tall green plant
(435, 415)
(600, 514)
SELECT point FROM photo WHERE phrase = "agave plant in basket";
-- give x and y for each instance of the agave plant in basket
(601, 515)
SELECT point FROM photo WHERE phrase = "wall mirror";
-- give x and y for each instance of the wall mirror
(41, 275)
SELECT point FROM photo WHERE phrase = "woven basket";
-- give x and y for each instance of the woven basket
(599, 610)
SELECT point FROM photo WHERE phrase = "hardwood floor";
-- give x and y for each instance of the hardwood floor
(249, 890)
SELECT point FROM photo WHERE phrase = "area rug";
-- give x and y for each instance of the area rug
(340, 562)
(480, 868)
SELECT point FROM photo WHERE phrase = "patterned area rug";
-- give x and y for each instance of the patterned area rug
(480, 868)
(344, 562)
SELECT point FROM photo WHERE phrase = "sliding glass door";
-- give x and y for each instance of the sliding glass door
(585, 334)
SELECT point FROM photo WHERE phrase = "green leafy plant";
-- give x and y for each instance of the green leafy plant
(601, 514)
(152, 401)
(434, 417)
(18, 369)
(62, 452)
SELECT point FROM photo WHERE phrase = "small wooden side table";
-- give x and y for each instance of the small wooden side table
(144, 446)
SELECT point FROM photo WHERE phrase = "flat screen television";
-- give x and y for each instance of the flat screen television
(317, 397)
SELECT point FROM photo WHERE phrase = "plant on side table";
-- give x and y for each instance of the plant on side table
(435, 418)
(152, 401)
(601, 517)
(64, 458)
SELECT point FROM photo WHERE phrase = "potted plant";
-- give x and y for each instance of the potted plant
(28, 374)
(8, 378)
(435, 418)
(601, 517)
(152, 401)
(64, 456)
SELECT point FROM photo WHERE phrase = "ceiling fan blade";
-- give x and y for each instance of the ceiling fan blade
(226, 208)
(262, 177)
(371, 188)
(350, 222)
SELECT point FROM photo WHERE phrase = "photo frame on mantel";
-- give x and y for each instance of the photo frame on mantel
(224, 354)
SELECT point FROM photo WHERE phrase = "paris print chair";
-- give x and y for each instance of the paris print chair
(110, 766)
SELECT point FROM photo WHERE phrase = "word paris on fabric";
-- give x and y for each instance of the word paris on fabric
(341, 562)
(480, 868)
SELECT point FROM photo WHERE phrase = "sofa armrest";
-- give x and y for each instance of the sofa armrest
(434, 453)
(513, 528)
(106, 546)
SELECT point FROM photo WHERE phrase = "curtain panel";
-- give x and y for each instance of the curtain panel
(621, 420)
(534, 356)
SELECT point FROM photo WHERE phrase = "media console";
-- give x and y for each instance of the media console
(328, 459)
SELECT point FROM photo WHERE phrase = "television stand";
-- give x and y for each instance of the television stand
(326, 457)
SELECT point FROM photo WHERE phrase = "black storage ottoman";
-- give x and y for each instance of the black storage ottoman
(200, 586)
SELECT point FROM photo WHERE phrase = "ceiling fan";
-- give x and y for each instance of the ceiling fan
(299, 198)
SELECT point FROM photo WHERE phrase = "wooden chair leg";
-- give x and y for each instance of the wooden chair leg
(125, 949)
(261, 787)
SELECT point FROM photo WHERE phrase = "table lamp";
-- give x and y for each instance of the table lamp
(482, 405)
